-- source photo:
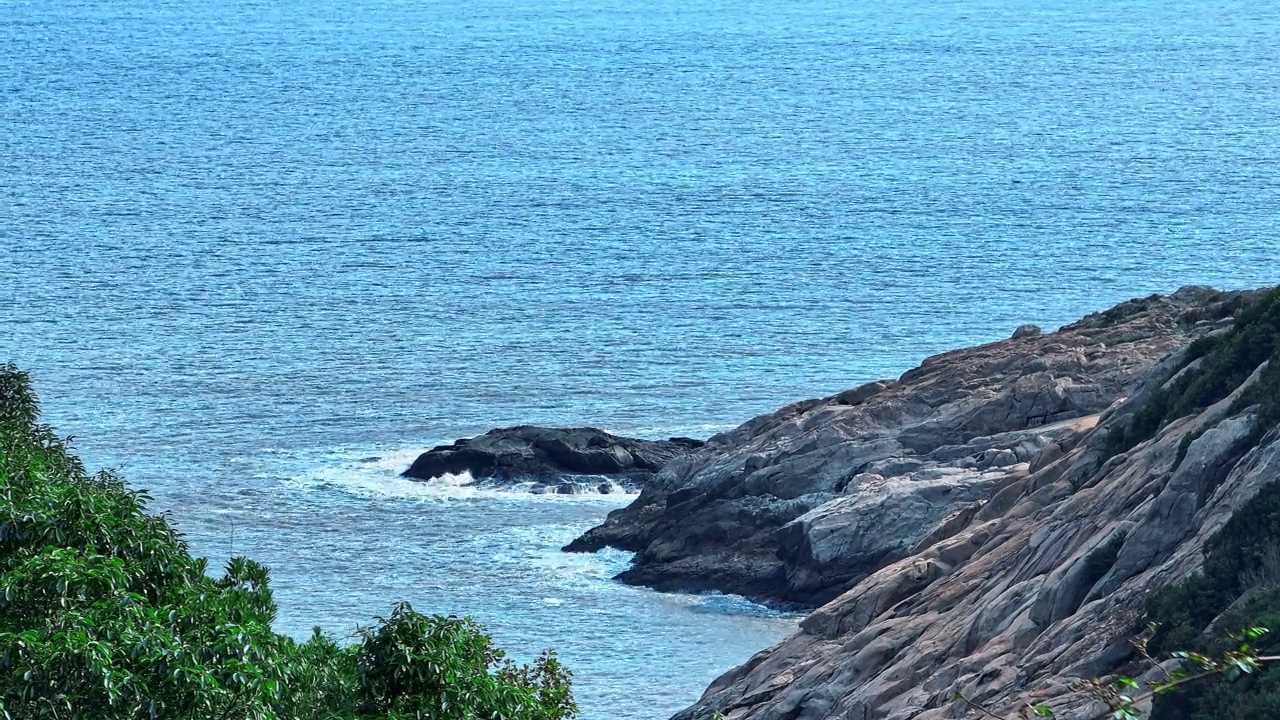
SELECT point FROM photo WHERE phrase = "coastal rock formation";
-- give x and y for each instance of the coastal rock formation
(560, 460)
(1014, 598)
(802, 504)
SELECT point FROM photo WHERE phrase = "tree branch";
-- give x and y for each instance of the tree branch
(227, 713)
(979, 708)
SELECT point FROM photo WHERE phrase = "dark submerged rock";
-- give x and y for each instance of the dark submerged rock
(551, 457)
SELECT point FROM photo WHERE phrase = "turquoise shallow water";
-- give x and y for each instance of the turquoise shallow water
(244, 247)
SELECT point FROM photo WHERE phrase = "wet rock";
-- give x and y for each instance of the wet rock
(521, 454)
(1025, 331)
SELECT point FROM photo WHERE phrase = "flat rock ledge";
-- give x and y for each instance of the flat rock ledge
(552, 460)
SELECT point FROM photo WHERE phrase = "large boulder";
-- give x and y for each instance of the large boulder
(841, 541)
(551, 456)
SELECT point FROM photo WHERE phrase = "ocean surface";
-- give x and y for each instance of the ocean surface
(259, 254)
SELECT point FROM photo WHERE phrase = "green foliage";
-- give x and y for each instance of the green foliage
(1238, 558)
(1239, 657)
(1226, 361)
(1239, 685)
(1185, 445)
(1238, 587)
(1100, 560)
(104, 615)
(418, 666)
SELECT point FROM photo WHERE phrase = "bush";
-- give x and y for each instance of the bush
(104, 614)
(1226, 362)
(1239, 587)
(1236, 559)
(1249, 696)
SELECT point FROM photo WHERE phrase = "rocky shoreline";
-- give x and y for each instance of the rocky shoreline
(801, 504)
(990, 522)
(1016, 598)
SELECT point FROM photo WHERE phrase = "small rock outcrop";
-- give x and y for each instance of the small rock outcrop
(554, 460)
(802, 504)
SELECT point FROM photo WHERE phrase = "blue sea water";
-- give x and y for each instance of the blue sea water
(258, 254)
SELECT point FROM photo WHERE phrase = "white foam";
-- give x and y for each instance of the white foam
(377, 474)
(662, 432)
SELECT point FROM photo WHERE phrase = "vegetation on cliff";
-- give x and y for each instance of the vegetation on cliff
(1215, 366)
(1216, 620)
(104, 614)
(1239, 585)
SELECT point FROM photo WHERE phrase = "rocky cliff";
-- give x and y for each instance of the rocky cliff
(992, 522)
(802, 504)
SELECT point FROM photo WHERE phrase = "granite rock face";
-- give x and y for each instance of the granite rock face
(1019, 597)
(813, 501)
(558, 460)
